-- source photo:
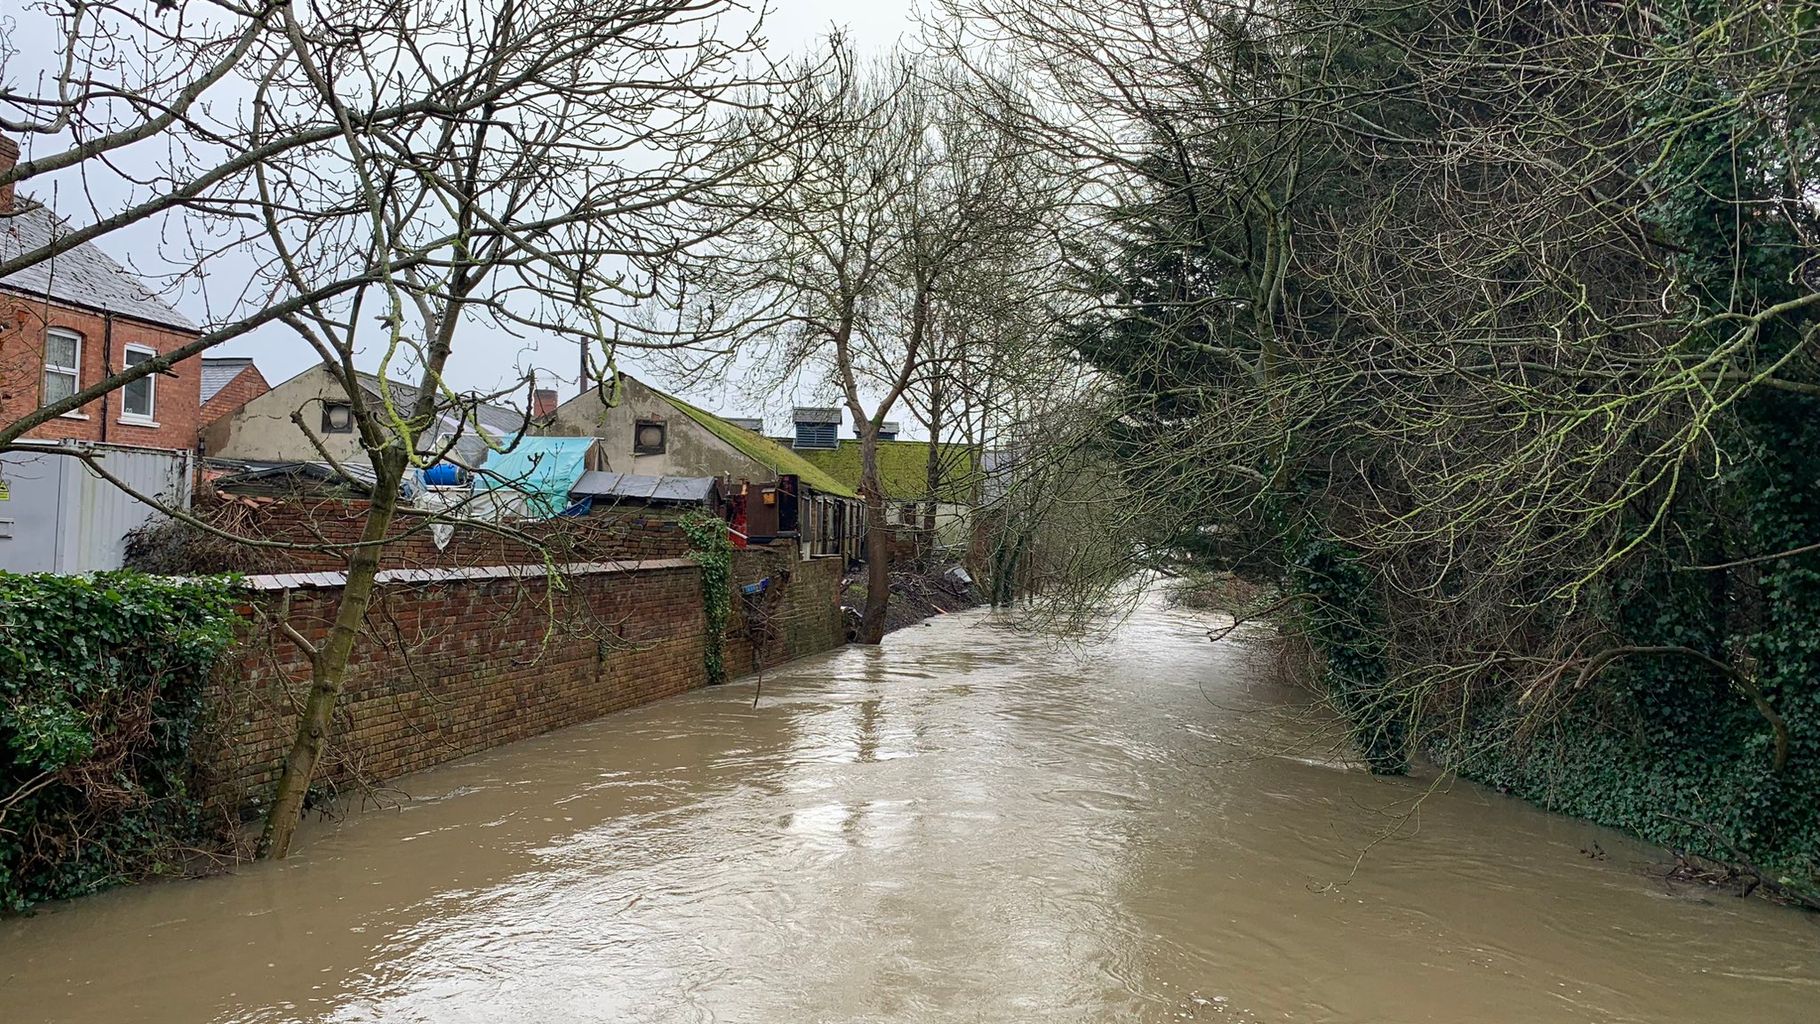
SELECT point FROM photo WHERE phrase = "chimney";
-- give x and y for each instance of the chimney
(543, 402)
(9, 158)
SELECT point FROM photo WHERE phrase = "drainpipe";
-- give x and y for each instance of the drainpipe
(107, 366)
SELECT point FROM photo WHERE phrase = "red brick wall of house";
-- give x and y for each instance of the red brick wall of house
(247, 385)
(453, 668)
(177, 400)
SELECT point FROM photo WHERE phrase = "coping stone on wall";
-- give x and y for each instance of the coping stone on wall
(331, 580)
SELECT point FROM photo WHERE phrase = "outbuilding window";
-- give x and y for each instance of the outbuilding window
(337, 418)
(138, 400)
(62, 365)
(649, 438)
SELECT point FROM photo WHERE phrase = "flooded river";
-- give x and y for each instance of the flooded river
(966, 825)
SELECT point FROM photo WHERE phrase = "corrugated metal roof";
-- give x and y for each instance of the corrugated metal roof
(291, 475)
(681, 489)
(218, 373)
(503, 422)
(82, 276)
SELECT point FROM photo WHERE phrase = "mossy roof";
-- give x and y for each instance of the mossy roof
(765, 451)
(903, 469)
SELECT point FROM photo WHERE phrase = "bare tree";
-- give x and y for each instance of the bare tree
(562, 154)
(857, 233)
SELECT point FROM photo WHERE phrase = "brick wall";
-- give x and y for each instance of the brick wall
(247, 385)
(176, 397)
(799, 614)
(449, 669)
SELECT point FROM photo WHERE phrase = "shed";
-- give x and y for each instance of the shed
(615, 488)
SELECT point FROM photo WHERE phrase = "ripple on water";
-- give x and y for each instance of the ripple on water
(969, 825)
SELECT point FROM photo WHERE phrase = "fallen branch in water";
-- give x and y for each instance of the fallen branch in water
(1734, 869)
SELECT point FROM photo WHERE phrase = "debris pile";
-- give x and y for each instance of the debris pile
(917, 593)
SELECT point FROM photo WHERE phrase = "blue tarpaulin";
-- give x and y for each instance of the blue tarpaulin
(543, 469)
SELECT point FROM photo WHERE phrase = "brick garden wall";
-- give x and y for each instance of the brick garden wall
(799, 615)
(452, 668)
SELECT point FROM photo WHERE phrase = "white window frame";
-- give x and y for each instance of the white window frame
(148, 418)
(73, 372)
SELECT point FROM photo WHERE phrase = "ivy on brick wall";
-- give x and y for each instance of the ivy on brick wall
(101, 692)
(708, 542)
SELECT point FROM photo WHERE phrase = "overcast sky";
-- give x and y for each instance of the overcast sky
(793, 26)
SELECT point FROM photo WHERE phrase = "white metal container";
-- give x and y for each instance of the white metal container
(56, 515)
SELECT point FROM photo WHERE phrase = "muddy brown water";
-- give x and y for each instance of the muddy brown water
(965, 825)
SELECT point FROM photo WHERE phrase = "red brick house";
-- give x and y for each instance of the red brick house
(227, 384)
(77, 318)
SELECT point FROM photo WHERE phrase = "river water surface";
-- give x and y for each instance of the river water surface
(968, 824)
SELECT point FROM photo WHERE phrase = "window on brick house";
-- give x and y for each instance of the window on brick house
(138, 399)
(62, 365)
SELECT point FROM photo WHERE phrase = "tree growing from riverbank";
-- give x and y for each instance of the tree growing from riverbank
(1486, 333)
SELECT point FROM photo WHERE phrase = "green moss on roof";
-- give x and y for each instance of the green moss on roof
(903, 469)
(766, 451)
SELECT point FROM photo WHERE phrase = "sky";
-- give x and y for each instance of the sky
(793, 26)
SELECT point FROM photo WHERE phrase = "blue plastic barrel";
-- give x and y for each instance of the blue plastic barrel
(443, 474)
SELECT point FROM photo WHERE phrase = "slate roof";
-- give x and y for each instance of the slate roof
(218, 373)
(83, 276)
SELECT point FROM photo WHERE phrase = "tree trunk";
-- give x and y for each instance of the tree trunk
(878, 540)
(934, 466)
(329, 667)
